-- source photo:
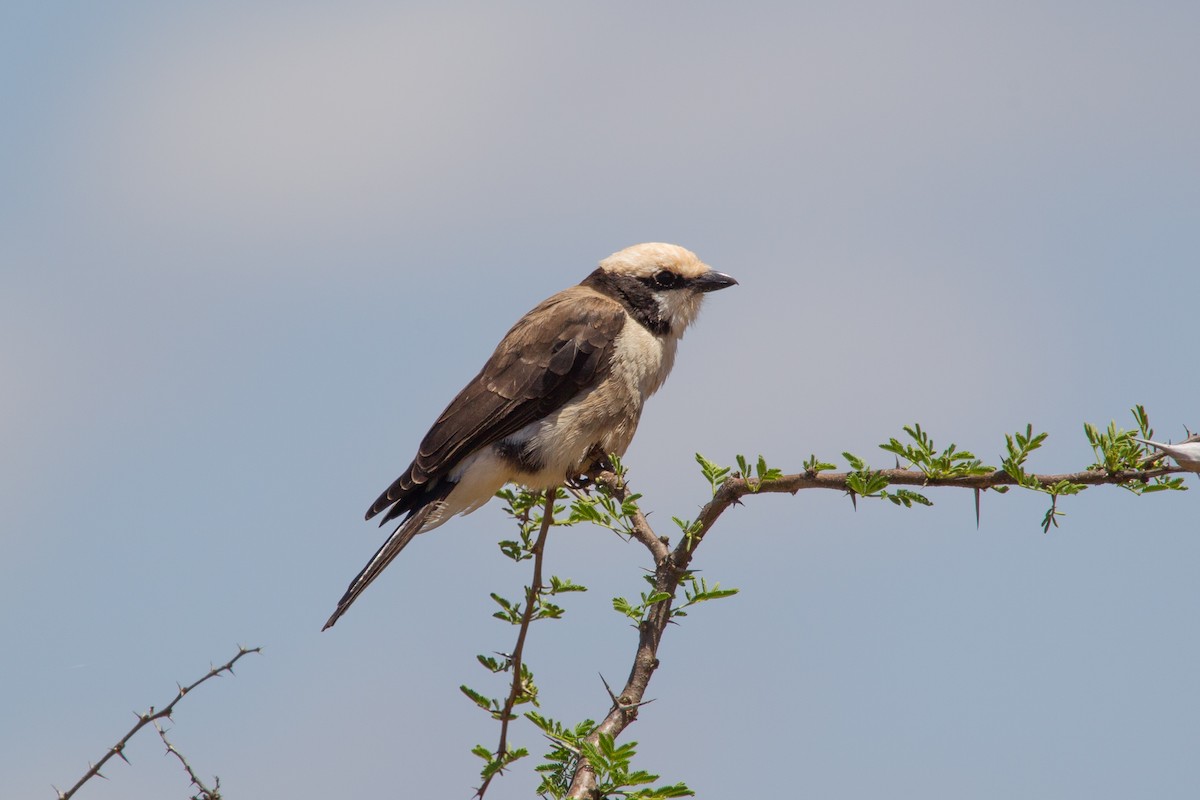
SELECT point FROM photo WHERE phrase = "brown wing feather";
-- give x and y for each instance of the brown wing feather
(552, 354)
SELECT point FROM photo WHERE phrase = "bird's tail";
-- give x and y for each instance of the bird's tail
(1154, 457)
(427, 516)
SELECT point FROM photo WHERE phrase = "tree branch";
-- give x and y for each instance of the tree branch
(151, 716)
(645, 661)
(205, 793)
(671, 565)
(740, 487)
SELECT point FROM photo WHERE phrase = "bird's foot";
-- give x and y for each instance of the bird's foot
(599, 464)
(580, 482)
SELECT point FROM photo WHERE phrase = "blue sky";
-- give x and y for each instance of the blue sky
(249, 251)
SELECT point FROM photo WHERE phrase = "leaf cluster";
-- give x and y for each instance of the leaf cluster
(1018, 447)
(1117, 451)
(866, 482)
(525, 507)
(923, 455)
(495, 764)
(611, 763)
(528, 691)
(695, 590)
(761, 472)
(638, 611)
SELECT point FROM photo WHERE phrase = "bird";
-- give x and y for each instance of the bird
(561, 394)
(1186, 453)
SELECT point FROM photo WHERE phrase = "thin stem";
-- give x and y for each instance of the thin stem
(205, 793)
(533, 591)
(150, 716)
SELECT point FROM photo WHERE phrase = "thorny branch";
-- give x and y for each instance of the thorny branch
(205, 793)
(671, 565)
(625, 705)
(740, 487)
(151, 716)
(531, 595)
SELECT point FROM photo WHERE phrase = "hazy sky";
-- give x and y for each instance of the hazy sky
(248, 251)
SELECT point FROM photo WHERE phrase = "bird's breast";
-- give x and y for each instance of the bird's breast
(603, 416)
(641, 360)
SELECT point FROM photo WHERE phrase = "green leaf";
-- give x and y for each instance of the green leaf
(866, 483)
(493, 664)
(663, 792)
(906, 498)
(511, 612)
(765, 473)
(1019, 446)
(562, 585)
(623, 606)
(814, 466)
(743, 467)
(923, 455)
(715, 475)
(548, 611)
(1143, 421)
(486, 703)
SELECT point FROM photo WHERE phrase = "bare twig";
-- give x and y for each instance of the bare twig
(671, 566)
(205, 793)
(150, 716)
(532, 593)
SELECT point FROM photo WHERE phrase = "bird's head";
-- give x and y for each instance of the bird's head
(674, 277)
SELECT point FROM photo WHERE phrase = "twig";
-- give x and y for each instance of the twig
(205, 793)
(150, 716)
(531, 595)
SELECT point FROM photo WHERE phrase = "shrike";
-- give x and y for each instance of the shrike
(563, 391)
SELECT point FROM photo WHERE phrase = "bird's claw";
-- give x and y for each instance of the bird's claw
(580, 482)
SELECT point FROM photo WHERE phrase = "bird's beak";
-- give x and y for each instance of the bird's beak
(711, 281)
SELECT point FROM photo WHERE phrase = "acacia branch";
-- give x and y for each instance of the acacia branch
(645, 661)
(671, 565)
(205, 793)
(531, 596)
(659, 547)
(740, 487)
(151, 716)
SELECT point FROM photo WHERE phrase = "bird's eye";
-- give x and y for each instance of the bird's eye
(665, 279)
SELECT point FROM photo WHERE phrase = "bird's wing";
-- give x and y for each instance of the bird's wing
(559, 349)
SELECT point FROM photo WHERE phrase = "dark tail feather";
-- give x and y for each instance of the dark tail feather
(413, 488)
(383, 556)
